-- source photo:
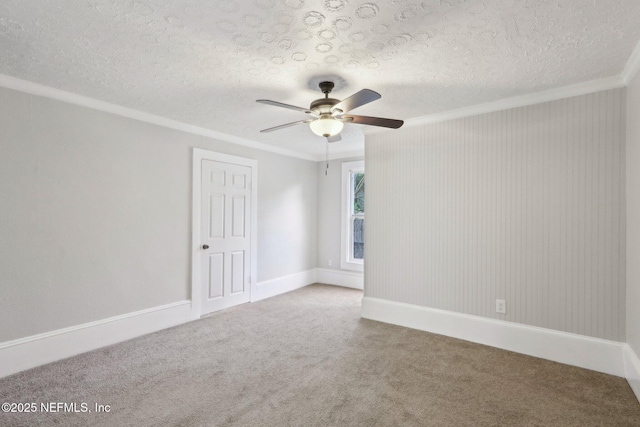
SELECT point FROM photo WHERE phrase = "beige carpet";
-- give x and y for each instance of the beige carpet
(307, 359)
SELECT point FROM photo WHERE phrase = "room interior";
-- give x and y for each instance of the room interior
(513, 178)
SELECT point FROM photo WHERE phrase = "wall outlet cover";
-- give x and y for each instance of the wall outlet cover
(501, 306)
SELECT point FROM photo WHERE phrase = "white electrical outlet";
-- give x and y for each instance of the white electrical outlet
(330, 263)
(501, 306)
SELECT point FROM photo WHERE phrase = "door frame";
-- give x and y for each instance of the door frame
(196, 273)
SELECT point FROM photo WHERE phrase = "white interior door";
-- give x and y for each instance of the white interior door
(225, 235)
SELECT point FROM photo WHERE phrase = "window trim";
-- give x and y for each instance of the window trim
(346, 261)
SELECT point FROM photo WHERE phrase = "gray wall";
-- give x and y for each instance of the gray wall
(633, 214)
(96, 214)
(329, 212)
(525, 205)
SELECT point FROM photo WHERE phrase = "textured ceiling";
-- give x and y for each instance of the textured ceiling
(205, 62)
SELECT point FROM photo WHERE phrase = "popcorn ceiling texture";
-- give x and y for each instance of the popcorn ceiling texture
(204, 62)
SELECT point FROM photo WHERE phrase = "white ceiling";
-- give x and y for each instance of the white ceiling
(205, 62)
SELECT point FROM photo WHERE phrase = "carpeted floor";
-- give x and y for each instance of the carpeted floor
(307, 359)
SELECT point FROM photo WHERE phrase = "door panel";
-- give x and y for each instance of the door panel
(237, 272)
(218, 178)
(226, 227)
(216, 216)
(216, 275)
(239, 216)
(239, 181)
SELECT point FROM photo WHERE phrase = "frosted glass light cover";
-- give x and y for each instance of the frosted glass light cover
(326, 127)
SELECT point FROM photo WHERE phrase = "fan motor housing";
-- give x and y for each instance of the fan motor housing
(323, 105)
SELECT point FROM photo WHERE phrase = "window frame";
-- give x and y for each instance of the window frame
(347, 262)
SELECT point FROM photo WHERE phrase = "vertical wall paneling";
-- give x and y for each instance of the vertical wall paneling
(632, 201)
(523, 205)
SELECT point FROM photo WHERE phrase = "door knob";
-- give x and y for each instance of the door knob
(205, 246)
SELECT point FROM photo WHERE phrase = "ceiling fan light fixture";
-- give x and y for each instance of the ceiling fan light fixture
(329, 113)
(326, 126)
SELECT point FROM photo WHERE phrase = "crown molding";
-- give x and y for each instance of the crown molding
(521, 101)
(632, 66)
(83, 101)
(503, 104)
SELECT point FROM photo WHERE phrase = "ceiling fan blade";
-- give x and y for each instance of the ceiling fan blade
(334, 138)
(286, 125)
(373, 121)
(356, 100)
(280, 104)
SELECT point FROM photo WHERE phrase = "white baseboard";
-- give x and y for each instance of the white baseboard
(347, 279)
(29, 352)
(25, 353)
(281, 285)
(577, 350)
(592, 353)
(632, 369)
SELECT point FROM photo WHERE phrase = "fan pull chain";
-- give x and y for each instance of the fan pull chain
(326, 171)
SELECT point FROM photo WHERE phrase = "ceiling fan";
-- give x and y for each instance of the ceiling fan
(330, 114)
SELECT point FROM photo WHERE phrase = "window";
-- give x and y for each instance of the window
(352, 254)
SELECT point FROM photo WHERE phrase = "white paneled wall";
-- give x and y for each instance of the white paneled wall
(633, 217)
(525, 205)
